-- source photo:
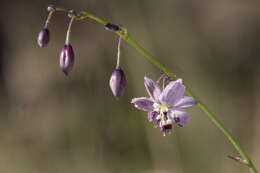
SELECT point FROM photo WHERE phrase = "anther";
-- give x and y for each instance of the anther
(177, 119)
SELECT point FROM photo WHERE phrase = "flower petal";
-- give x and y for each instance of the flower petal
(185, 101)
(152, 88)
(182, 116)
(152, 115)
(143, 103)
(173, 92)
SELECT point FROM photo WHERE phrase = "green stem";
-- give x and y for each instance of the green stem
(153, 60)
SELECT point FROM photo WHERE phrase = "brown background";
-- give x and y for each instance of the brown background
(57, 124)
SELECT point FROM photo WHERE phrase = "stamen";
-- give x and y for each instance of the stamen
(177, 119)
(158, 117)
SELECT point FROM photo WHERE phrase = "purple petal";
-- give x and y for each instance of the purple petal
(185, 101)
(152, 115)
(143, 103)
(152, 88)
(173, 92)
(182, 116)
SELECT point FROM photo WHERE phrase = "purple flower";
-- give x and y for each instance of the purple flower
(43, 37)
(165, 107)
(66, 59)
(117, 82)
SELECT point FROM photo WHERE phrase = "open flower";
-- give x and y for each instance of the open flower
(165, 107)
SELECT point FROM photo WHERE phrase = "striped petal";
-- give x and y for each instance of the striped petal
(152, 88)
(185, 101)
(173, 92)
(143, 103)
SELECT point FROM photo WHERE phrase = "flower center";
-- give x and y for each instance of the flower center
(164, 109)
(163, 115)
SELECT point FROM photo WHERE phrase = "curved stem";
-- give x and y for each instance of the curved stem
(153, 60)
(118, 52)
(67, 41)
(48, 19)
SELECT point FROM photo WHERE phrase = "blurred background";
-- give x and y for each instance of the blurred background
(57, 124)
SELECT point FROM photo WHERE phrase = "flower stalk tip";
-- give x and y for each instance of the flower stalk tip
(238, 159)
(51, 8)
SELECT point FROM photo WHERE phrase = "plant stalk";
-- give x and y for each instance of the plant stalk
(146, 54)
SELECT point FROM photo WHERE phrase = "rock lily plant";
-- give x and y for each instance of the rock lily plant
(164, 107)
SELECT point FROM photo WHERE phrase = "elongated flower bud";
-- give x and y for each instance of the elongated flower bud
(112, 27)
(66, 59)
(118, 82)
(43, 37)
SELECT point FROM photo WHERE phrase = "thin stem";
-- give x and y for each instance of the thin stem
(201, 105)
(153, 60)
(67, 41)
(118, 52)
(48, 19)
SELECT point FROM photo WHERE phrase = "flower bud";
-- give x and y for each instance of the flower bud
(117, 82)
(66, 59)
(112, 27)
(43, 37)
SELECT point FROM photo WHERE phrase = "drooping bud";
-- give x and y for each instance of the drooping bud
(43, 37)
(67, 53)
(118, 82)
(66, 59)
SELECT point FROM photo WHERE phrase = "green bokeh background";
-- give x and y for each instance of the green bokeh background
(51, 123)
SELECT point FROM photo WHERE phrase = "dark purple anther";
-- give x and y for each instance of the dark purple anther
(66, 59)
(43, 37)
(117, 82)
(177, 119)
(166, 127)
